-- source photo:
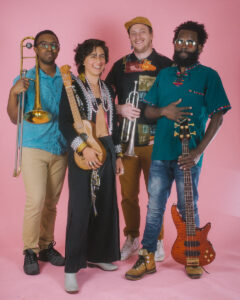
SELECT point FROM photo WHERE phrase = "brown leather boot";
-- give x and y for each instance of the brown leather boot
(194, 272)
(144, 265)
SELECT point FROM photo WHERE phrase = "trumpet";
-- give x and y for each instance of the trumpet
(129, 127)
(37, 115)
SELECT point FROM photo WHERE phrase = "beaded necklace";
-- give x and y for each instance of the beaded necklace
(104, 96)
(92, 105)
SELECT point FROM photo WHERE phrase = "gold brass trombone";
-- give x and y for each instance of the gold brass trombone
(37, 115)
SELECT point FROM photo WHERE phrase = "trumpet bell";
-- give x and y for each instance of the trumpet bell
(130, 153)
(38, 116)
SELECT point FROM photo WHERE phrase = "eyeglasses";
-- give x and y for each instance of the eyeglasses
(188, 43)
(46, 45)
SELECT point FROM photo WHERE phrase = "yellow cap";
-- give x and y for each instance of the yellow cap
(137, 20)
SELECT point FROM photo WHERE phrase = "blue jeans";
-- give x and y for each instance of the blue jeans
(161, 176)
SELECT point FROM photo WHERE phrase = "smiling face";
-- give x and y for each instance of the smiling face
(47, 55)
(186, 48)
(141, 38)
(95, 62)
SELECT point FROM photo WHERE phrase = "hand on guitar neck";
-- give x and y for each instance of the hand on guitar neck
(190, 160)
(194, 155)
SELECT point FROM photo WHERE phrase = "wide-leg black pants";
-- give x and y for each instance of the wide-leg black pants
(88, 237)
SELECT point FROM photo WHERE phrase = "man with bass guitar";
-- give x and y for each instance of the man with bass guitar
(199, 94)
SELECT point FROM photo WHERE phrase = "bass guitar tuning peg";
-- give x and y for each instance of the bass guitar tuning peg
(193, 133)
(176, 133)
(176, 125)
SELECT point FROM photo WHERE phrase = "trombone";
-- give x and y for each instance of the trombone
(129, 127)
(37, 115)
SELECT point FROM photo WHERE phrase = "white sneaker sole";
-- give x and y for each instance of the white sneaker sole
(131, 254)
(159, 259)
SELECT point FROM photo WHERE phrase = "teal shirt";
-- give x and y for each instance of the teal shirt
(201, 88)
(46, 136)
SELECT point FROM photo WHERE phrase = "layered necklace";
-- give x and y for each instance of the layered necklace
(104, 96)
(92, 102)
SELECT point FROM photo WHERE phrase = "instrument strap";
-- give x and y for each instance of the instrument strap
(95, 184)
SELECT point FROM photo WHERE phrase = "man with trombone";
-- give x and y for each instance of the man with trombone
(131, 77)
(41, 149)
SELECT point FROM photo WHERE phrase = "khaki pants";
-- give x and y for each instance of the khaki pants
(130, 181)
(43, 175)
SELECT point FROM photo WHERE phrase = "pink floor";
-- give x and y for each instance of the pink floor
(170, 281)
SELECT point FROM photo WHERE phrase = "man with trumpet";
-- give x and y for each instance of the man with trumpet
(43, 152)
(131, 77)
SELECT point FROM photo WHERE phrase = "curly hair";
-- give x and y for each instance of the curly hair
(86, 48)
(44, 32)
(193, 26)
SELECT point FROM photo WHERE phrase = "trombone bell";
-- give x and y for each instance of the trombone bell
(37, 116)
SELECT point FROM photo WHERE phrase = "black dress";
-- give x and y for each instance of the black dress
(89, 237)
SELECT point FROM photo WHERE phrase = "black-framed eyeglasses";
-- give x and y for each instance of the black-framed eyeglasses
(188, 43)
(46, 45)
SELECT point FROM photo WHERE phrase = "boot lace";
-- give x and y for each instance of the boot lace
(51, 252)
(139, 262)
(30, 258)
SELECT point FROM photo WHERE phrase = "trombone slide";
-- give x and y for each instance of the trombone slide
(18, 155)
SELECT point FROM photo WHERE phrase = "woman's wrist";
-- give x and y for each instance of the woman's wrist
(119, 155)
(81, 147)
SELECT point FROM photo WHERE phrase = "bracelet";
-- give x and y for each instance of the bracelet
(81, 147)
(119, 155)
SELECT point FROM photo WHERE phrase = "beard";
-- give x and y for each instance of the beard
(188, 61)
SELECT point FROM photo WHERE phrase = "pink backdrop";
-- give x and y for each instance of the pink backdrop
(76, 20)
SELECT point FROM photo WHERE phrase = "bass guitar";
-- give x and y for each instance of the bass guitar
(191, 247)
(82, 127)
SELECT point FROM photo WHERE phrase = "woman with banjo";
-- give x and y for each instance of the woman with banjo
(87, 120)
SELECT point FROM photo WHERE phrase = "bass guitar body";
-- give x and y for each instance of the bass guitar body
(88, 129)
(191, 250)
